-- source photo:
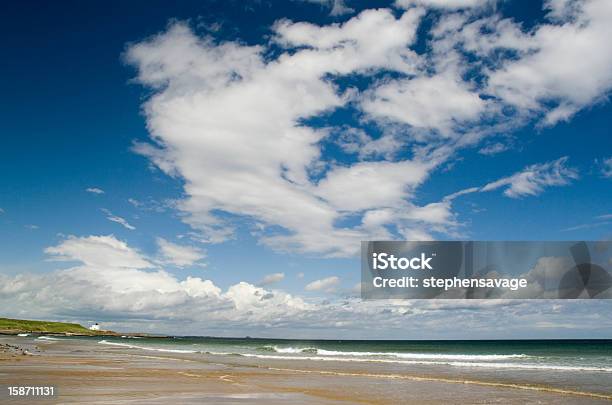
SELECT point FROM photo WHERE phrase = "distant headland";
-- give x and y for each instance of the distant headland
(20, 326)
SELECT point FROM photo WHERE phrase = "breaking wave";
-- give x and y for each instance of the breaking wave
(408, 356)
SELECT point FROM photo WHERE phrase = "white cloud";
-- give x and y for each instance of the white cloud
(258, 166)
(325, 284)
(337, 7)
(493, 149)
(1, 211)
(535, 178)
(151, 204)
(94, 190)
(435, 102)
(606, 167)
(98, 252)
(272, 279)
(179, 255)
(530, 181)
(356, 141)
(229, 121)
(31, 226)
(567, 64)
(371, 184)
(442, 4)
(114, 283)
(114, 218)
(602, 220)
(562, 9)
(114, 279)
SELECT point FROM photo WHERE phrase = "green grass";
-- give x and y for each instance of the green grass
(23, 326)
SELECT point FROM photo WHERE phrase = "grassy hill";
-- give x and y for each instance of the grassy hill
(13, 326)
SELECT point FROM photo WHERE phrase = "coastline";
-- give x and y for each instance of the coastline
(18, 327)
(84, 370)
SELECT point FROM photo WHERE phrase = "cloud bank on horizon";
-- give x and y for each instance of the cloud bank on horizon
(121, 287)
(236, 122)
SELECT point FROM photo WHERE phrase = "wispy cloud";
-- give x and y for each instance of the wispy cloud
(272, 279)
(535, 178)
(179, 255)
(337, 7)
(493, 149)
(443, 4)
(114, 218)
(94, 190)
(530, 181)
(606, 167)
(601, 220)
(325, 284)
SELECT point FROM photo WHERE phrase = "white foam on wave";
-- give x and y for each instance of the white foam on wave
(424, 356)
(494, 365)
(47, 338)
(153, 349)
(291, 349)
(399, 355)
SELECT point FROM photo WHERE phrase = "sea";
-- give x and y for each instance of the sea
(580, 365)
(560, 355)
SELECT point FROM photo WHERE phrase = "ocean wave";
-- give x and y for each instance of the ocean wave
(47, 338)
(399, 355)
(494, 365)
(152, 349)
(362, 357)
(290, 350)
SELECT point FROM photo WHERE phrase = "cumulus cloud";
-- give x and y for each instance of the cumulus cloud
(430, 102)
(325, 284)
(272, 278)
(259, 166)
(94, 190)
(179, 255)
(114, 279)
(567, 64)
(231, 120)
(107, 280)
(114, 218)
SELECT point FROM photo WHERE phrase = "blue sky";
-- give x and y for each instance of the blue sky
(233, 141)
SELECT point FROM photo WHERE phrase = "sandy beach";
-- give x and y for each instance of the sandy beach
(85, 371)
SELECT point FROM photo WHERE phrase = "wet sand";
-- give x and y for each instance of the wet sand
(87, 372)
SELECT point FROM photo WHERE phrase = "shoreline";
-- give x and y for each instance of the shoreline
(85, 370)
